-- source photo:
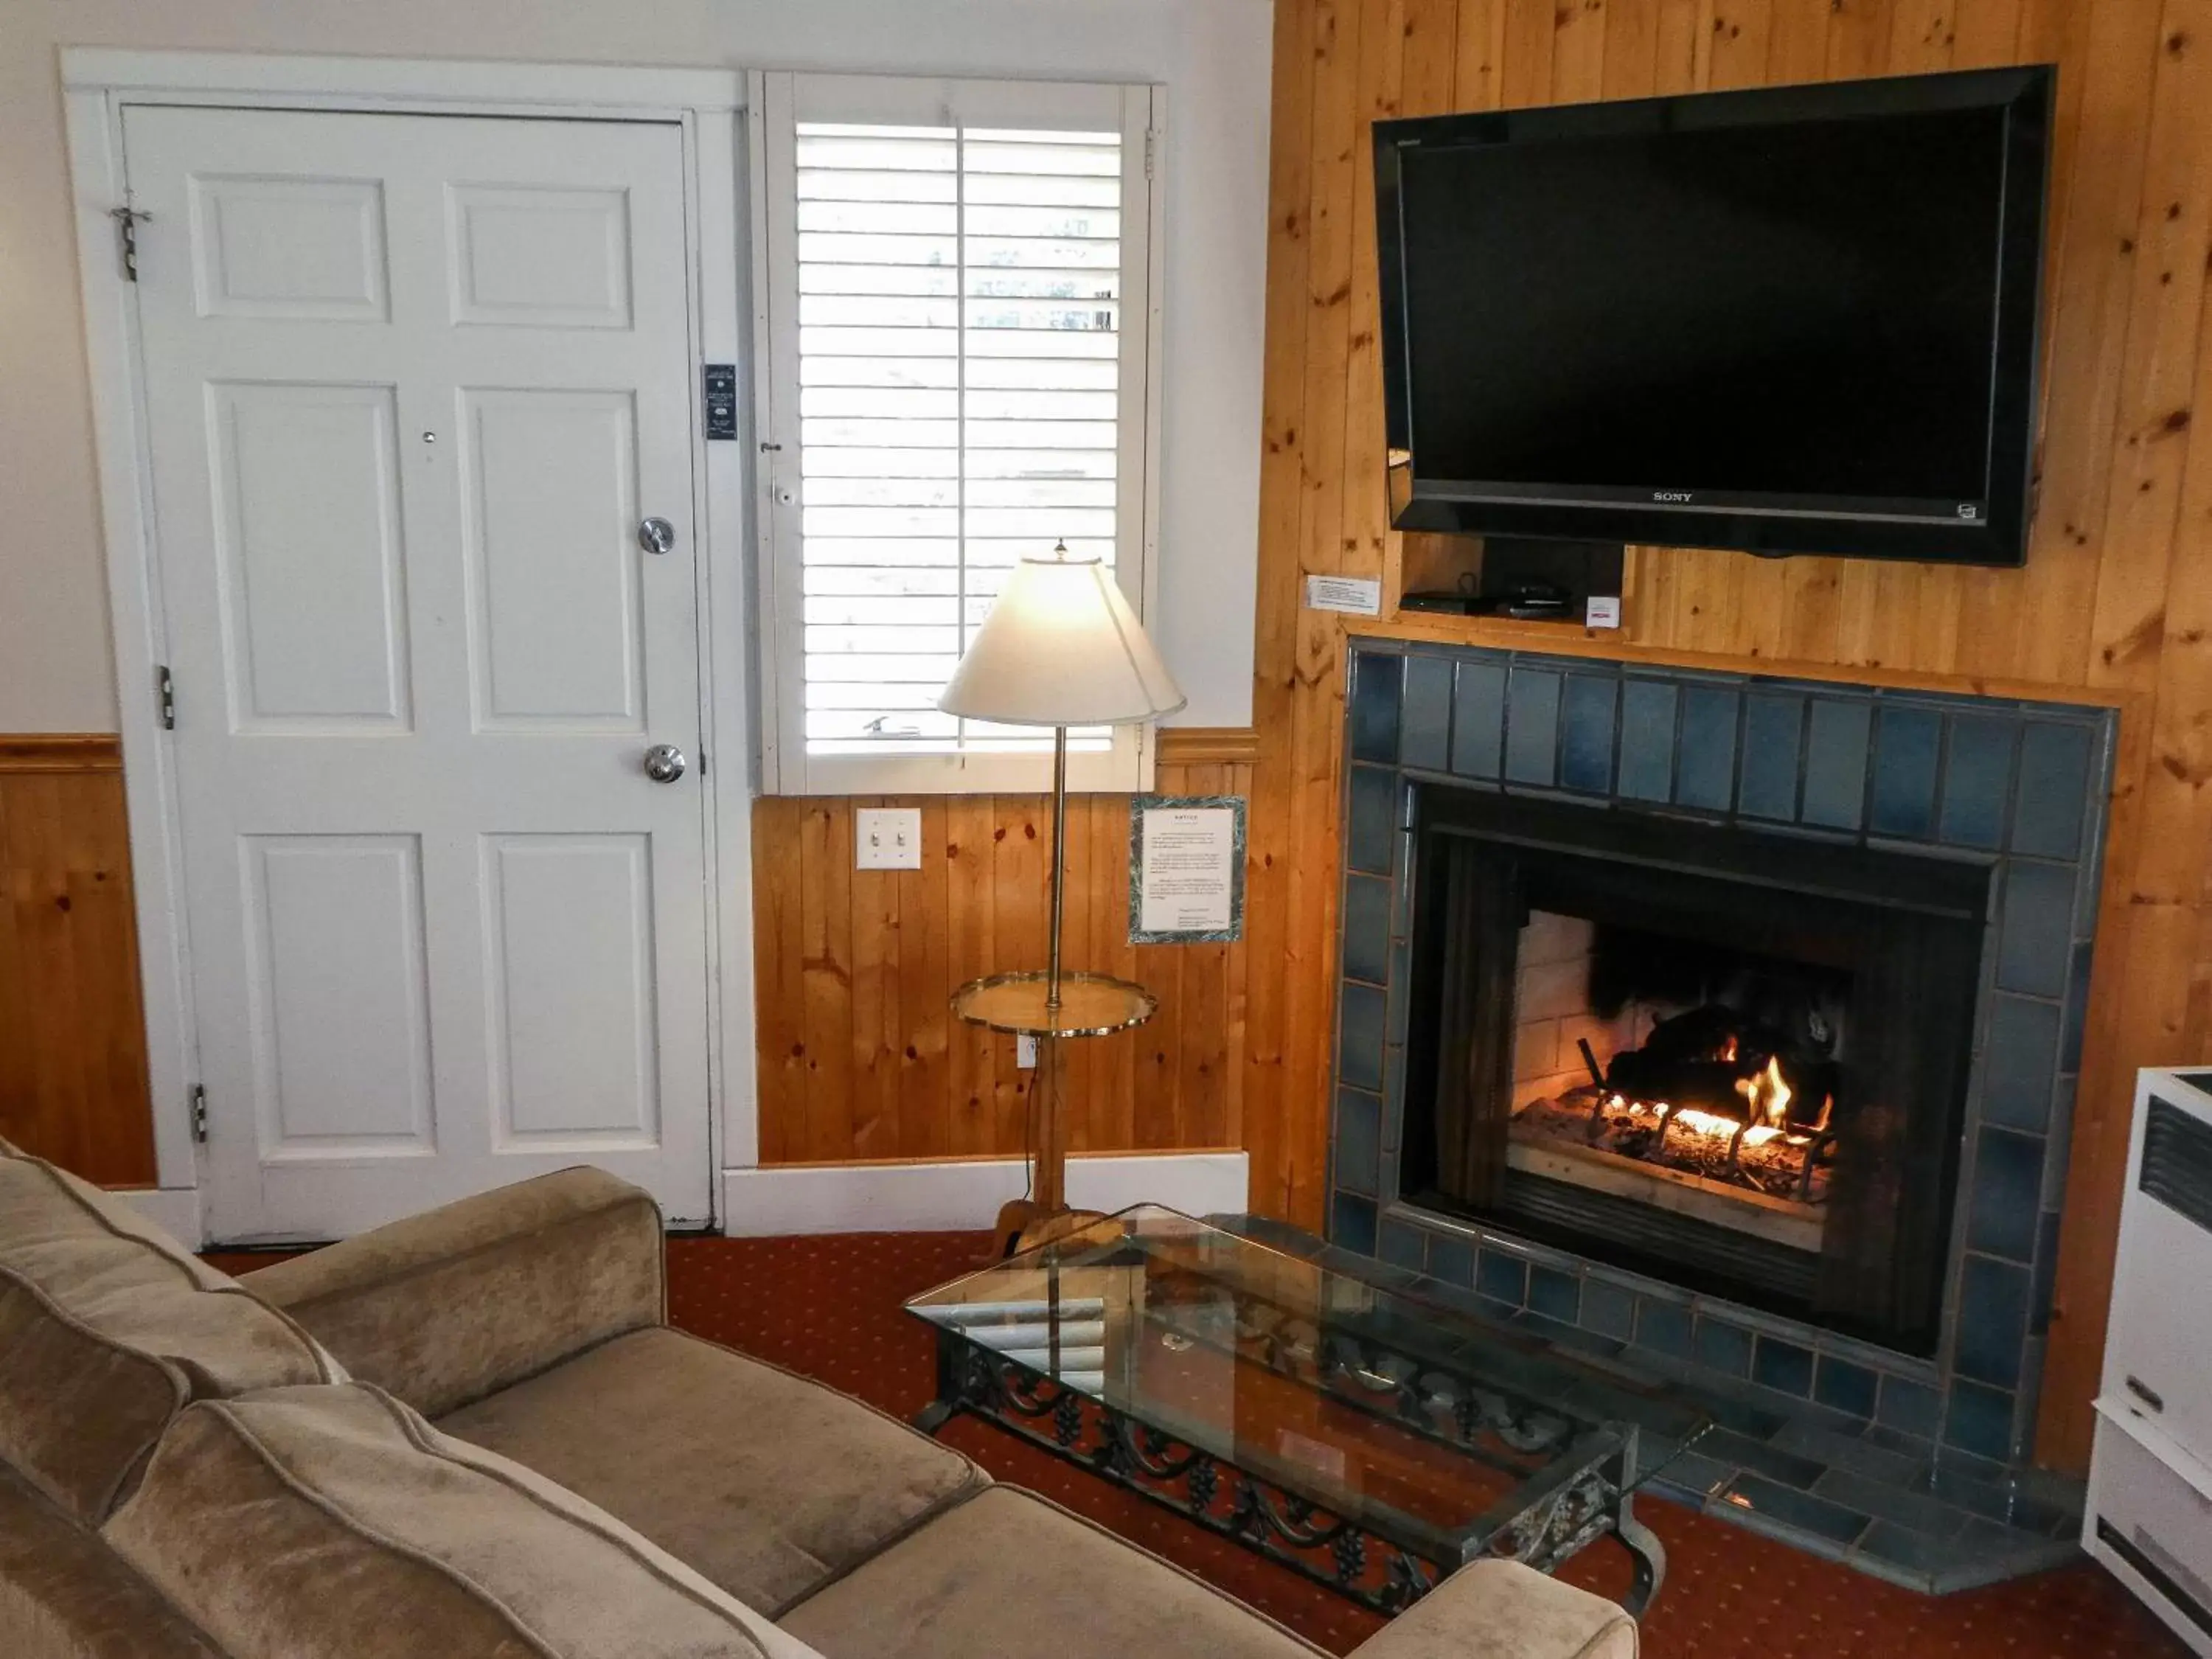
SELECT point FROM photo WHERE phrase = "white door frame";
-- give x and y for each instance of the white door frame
(710, 106)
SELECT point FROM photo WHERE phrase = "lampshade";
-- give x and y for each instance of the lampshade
(1061, 648)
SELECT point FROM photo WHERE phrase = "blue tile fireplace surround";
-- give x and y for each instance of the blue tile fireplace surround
(1910, 1466)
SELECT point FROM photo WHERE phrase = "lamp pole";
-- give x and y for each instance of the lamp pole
(1051, 1175)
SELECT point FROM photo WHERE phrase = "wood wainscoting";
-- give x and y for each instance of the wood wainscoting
(2115, 603)
(72, 1033)
(860, 1056)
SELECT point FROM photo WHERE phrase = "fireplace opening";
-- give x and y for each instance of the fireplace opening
(1734, 1060)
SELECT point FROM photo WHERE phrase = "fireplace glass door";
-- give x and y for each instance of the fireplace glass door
(1731, 1060)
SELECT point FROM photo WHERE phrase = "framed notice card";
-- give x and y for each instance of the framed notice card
(1186, 869)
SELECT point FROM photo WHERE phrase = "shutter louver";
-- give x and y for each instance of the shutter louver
(959, 340)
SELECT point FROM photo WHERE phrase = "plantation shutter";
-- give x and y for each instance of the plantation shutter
(960, 333)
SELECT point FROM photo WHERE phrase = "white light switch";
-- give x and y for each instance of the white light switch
(1024, 1051)
(887, 838)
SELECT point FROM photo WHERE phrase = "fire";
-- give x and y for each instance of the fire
(1707, 1124)
(1768, 1094)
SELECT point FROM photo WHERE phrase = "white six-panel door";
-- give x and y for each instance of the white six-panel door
(411, 383)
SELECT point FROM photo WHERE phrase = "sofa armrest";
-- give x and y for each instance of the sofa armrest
(1503, 1610)
(446, 1307)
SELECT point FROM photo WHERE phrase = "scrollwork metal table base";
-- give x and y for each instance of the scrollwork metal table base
(1575, 1501)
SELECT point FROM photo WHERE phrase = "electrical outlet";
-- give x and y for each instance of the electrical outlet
(1024, 1051)
(887, 838)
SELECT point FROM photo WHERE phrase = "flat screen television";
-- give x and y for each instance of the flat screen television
(1797, 320)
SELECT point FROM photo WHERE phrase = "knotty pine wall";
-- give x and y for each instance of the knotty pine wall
(72, 1035)
(2113, 606)
(860, 1056)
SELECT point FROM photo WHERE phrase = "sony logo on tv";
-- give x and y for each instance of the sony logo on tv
(1670, 494)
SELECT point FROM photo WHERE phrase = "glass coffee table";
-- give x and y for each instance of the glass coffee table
(1365, 1436)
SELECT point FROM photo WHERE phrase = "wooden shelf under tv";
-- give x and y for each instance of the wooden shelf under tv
(1437, 562)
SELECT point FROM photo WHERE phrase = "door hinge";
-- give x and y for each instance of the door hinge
(126, 230)
(1151, 145)
(199, 1113)
(165, 697)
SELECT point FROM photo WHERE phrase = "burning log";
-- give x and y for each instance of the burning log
(1710, 1086)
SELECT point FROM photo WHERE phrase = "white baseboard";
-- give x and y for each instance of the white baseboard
(889, 1197)
(175, 1210)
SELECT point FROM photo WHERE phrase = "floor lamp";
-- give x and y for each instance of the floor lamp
(1060, 648)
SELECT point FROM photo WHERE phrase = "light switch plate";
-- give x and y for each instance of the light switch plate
(887, 838)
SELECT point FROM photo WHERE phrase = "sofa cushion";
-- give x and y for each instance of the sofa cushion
(445, 1307)
(64, 1594)
(310, 1522)
(1009, 1574)
(766, 1483)
(107, 1327)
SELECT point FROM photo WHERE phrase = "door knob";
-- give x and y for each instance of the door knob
(663, 763)
(656, 535)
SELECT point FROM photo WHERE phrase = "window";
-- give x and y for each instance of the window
(960, 336)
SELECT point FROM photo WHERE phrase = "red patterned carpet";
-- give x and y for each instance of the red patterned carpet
(830, 1307)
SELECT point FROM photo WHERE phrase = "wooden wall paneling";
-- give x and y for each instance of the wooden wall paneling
(1683, 26)
(1797, 41)
(779, 980)
(1271, 839)
(1430, 76)
(922, 1036)
(2175, 819)
(826, 975)
(1110, 1063)
(861, 1057)
(1579, 51)
(2158, 368)
(73, 1081)
(1158, 1044)
(2096, 260)
(1858, 38)
(1531, 41)
(1307, 893)
(971, 900)
(1632, 49)
(1479, 35)
(1988, 32)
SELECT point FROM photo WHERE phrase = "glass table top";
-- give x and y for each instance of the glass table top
(1415, 1419)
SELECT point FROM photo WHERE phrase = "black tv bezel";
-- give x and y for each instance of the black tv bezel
(1769, 525)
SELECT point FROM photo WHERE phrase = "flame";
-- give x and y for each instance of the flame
(1768, 1094)
(1706, 1123)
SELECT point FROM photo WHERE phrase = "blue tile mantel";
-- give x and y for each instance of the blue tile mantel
(2021, 788)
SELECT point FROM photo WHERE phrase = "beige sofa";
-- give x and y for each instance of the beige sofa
(474, 1433)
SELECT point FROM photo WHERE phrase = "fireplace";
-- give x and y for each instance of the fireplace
(1829, 947)
(1726, 1058)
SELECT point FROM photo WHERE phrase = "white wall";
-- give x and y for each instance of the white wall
(56, 671)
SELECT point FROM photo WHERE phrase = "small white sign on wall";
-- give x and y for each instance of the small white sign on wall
(1360, 595)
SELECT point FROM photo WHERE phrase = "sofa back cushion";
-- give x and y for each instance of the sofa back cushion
(321, 1521)
(107, 1328)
